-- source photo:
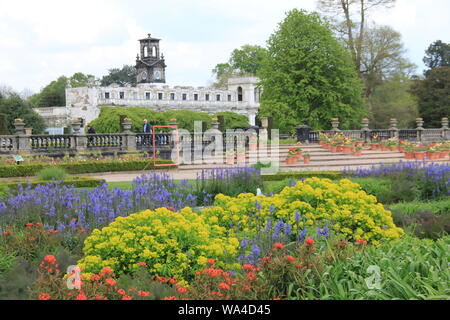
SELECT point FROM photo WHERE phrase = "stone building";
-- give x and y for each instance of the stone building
(241, 96)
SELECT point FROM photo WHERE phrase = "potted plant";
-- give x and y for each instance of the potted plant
(306, 158)
(299, 153)
(230, 157)
(409, 154)
(392, 144)
(432, 153)
(419, 152)
(384, 145)
(347, 146)
(291, 157)
(358, 151)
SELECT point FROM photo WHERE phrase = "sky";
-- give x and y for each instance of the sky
(42, 40)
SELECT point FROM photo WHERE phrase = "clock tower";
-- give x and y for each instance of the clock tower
(150, 66)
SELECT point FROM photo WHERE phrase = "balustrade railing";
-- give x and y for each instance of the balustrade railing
(50, 142)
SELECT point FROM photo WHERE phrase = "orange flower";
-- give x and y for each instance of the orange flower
(251, 276)
(224, 286)
(110, 282)
(290, 258)
(44, 296)
(182, 290)
(127, 298)
(121, 292)
(106, 270)
(29, 224)
(81, 296)
(211, 262)
(39, 224)
(143, 293)
(50, 259)
(32, 238)
(142, 264)
(360, 241)
(278, 245)
(95, 277)
(248, 267)
(309, 242)
(169, 298)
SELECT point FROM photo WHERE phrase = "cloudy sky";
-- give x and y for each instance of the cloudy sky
(42, 40)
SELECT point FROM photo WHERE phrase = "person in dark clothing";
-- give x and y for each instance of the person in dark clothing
(147, 129)
(90, 130)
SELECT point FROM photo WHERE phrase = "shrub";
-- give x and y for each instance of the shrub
(424, 224)
(389, 190)
(29, 170)
(349, 210)
(410, 208)
(52, 173)
(231, 182)
(170, 243)
(303, 175)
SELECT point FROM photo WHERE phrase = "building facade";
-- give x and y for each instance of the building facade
(241, 96)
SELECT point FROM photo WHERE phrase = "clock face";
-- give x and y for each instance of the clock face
(144, 75)
(157, 75)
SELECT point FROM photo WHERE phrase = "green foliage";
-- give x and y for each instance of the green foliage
(234, 120)
(4, 190)
(108, 120)
(14, 107)
(244, 61)
(333, 175)
(3, 124)
(122, 77)
(435, 207)
(54, 94)
(52, 173)
(393, 99)
(433, 96)
(437, 55)
(77, 182)
(389, 190)
(308, 76)
(29, 170)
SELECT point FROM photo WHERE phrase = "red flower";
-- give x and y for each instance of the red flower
(53, 231)
(360, 241)
(106, 270)
(121, 292)
(169, 298)
(251, 276)
(39, 224)
(110, 282)
(81, 296)
(142, 264)
(99, 298)
(7, 233)
(266, 259)
(278, 245)
(277, 299)
(290, 258)
(248, 267)
(143, 293)
(182, 290)
(211, 262)
(50, 259)
(224, 286)
(44, 296)
(95, 277)
(127, 298)
(32, 238)
(29, 224)
(309, 242)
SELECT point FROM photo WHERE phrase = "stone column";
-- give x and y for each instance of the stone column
(365, 129)
(79, 139)
(393, 128)
(445, 129)
(128, 135)
(215, 124)
(419, 122)
(22, 139)
(252, 119)
(335, 124)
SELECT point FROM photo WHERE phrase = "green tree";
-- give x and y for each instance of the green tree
(393, 99)
(122, 77)
(13, 107)
(308, 76)
(54, 94)
(244, 61)
(437, 55)
(433, 94)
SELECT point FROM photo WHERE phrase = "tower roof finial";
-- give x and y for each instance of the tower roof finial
(149, 35)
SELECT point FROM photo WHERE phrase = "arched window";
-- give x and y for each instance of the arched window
(153, 52)
(240, 94)
(145, 51)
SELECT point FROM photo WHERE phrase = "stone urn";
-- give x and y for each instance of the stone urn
(19, 125)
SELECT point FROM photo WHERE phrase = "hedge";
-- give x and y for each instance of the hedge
(29, 170)
(77, 182)
(333, 175)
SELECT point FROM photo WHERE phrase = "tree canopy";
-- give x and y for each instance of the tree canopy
(122, 77)
(437, 55)
(13, 107)
(308, 76)
(244, 61)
